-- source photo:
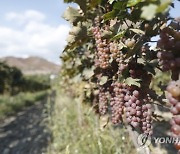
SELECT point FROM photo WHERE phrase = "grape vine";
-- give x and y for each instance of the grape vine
(111, 51)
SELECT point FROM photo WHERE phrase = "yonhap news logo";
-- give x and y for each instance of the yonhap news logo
(146, 140)
(143, 140)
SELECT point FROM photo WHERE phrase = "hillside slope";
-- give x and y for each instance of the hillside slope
(32, 65)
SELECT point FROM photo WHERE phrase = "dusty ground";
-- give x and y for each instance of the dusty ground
(25, 133)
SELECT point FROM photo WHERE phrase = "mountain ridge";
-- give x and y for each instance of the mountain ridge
(32, 65)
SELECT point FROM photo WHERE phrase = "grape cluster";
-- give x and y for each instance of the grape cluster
(136, 71)
(147, 118)
(118, 56)
(169, 58)
(103, 100)
(173, 96)
(133, 108)
(102, 56)
(168, 40)
(128, 100)
(168, 61)
(139, 111)
(117, 101)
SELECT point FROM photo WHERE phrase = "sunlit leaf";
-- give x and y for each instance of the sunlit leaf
(72, 15)
(81, 3)
(137, 31)
(103, 80)
(148, 12)
(106, 34)
(88, 73)
(111, 1)
(130, 81)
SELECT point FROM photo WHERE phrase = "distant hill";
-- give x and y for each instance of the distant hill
(32, 65)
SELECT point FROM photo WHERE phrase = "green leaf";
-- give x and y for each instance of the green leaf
(163, 6)
(103, 80)
(94, 3)
(137, 31)
(130, 81)
(110, 15)
(148, 12)
(150, 69)
(119, 35)
(133, 2)
(120, 5)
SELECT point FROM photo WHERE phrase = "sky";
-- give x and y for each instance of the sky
(36, 28)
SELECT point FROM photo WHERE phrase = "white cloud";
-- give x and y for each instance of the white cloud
(34, 37)
(27, 16)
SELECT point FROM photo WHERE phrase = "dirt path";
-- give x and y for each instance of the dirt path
(25, 133)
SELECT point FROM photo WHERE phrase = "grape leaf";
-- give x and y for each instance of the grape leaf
(72, 15)
(94, 3)
(150, 69)
(119, 35)
(111, 1)
(81, 3)
(79, 31)
(77, 78)
(130, 81)
(137, 31)
(106, 34)
(103, 80)
(120, 5)
(71, 39)
(163, 6)
(110, 15)
(148, 12)
(133, 2)
(88, 73)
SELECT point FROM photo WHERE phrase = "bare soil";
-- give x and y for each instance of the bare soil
(26, 132)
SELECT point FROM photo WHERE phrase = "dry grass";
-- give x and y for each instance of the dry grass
(76, 129)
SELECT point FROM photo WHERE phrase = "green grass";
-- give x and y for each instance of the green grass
(76, 129)
(11, 104)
